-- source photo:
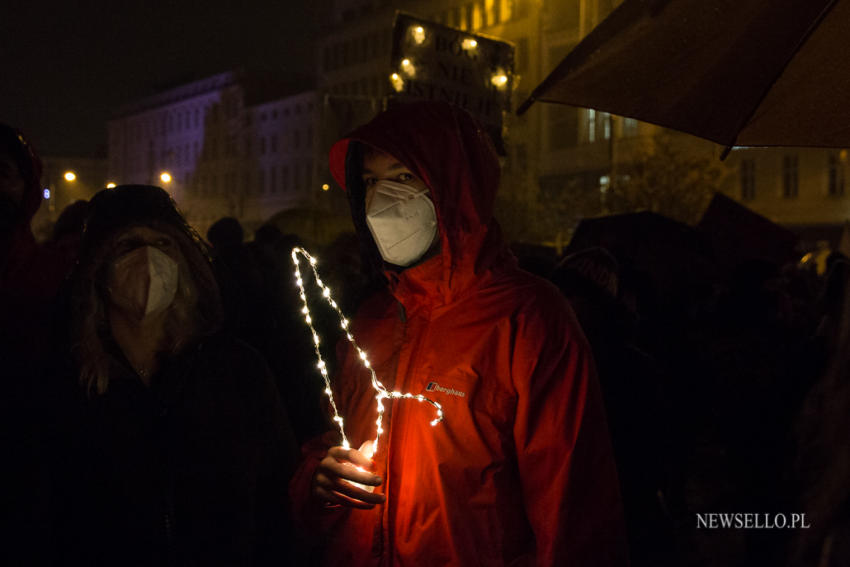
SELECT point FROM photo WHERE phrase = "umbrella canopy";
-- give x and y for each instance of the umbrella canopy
(737, 72)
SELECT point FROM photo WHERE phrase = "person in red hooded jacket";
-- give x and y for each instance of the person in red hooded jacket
(521, 470)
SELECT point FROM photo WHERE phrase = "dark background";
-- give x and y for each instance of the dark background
(65, 67)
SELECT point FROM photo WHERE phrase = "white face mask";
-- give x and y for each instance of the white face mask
(143, 282)
(402, 221)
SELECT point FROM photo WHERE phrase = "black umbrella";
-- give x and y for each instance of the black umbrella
(737, 72)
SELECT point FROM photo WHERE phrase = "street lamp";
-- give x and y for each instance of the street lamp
(325, 186)
(165, 177)
(110, 185)
(70, 176)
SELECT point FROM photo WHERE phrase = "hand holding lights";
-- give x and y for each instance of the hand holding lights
(369, 447)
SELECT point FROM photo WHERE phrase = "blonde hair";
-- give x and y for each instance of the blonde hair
(195, 312)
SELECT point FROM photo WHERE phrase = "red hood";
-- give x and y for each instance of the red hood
(455, 158)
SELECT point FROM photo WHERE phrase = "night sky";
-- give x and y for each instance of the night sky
(67, 67)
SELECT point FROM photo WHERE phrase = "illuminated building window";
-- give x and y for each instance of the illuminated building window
(591, 125)
(790, 177)
(630, 127)
(748, 180)
(835, 176)
(606, 125)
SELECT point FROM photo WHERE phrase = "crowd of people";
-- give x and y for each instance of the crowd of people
(163, 405)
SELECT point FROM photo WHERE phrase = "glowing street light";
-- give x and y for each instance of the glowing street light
(110, 185)
(469, 44)
(165, 177)
(70, 176)
(325, 186)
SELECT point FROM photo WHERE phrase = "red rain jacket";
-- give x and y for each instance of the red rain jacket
(521, 472)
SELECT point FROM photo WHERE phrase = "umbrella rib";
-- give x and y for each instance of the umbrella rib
(803, 39)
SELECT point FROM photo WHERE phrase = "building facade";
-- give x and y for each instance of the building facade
(227, 145)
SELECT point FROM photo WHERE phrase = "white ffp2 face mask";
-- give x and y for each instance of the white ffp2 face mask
(402, 221)
(144, 282)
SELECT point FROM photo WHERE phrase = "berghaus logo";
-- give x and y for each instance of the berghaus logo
(434, 387)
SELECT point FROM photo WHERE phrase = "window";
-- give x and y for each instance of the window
(262, 146)
(835, 185)
(790, 180)
(468, 11)
(273, 180)
(284, 178)
(296, 139)
(591, 125)
(748, 180)
(606, 125)
(274, 144)
(261, 181)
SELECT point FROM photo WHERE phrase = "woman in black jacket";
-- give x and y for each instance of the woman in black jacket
(170, 443)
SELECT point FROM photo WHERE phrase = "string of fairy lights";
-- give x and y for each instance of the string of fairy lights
(381, 392)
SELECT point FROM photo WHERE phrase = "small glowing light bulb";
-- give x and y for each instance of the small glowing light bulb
(397, 82)
(418, 34)
(469, 43)
(499, 80)
(408, 68)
